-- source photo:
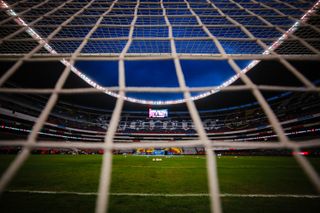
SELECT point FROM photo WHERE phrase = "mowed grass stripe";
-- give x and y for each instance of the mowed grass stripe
(242, 175)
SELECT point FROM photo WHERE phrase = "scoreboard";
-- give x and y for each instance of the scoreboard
(158, 113)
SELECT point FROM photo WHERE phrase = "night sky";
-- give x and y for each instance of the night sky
(197, 73)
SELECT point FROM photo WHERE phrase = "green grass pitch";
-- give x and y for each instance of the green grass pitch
(175, 175)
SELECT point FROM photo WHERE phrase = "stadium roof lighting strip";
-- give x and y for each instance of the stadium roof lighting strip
(94, 84)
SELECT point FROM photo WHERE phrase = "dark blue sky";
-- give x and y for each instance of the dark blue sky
(198, 73)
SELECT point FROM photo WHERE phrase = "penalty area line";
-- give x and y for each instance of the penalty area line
(169, 195)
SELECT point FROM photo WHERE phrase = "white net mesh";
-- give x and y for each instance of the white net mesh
(73, 30)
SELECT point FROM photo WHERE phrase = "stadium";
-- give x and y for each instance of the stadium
(159, 106)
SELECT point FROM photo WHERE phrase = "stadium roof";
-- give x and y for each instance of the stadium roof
(262, 74)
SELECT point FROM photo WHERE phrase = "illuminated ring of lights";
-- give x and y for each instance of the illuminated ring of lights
(253, 63)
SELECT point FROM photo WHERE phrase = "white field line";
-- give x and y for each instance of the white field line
(165, 167)
(198, 167)
(170, 195)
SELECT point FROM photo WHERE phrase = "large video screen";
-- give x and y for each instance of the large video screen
(158, 113)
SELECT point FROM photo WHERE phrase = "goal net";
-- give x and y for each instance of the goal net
(126, 30)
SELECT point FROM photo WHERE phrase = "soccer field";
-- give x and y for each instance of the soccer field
(66, 183)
